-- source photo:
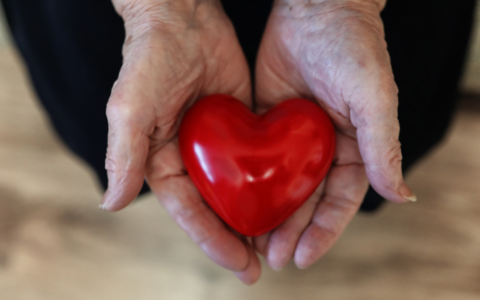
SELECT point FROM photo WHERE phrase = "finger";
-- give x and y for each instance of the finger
(378, 141)
(131, 119)
(345, 188)
(380, 148)
(260, 243)
(140, 110)
(177, 194)
(252, 271)
(128, 144)
(283, 239)
(373, 110)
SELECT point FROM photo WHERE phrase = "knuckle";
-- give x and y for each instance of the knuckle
(187, 218)
(113, 161)
(329, 230)
(110, 162)
(121, 111)
(396, 151)
(393, 157)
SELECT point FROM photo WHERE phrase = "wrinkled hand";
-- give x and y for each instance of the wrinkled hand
(333, 52)
(176, 51)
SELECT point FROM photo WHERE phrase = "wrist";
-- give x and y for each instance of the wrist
(130, 8)
(168, 14)
(375, 4)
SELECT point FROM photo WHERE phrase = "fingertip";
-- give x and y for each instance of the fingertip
(227, 251)
(248, 279)
(276, 266)
(283, 241)
(312, 245)
(103, 207)
(251, 274)
(277, 258)
(302, 258)
(402, 194)
(105, 200)
(121, 194)
(406, 193)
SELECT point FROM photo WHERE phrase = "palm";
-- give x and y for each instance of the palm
(336, 58)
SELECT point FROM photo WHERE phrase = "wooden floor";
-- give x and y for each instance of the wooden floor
(55, 244)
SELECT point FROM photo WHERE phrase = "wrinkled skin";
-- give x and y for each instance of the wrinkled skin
(329, 51)
(333, 52)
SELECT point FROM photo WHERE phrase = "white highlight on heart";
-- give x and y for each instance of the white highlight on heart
(201, 158)
(268, 174)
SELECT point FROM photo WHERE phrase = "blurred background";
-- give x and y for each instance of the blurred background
(55, 243)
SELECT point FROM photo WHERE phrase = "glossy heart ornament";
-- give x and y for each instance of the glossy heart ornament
(256, 171)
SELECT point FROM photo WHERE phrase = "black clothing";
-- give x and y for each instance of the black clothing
(73, 53)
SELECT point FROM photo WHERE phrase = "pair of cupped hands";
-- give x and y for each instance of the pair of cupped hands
(329, 51)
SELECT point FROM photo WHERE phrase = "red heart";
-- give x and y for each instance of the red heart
(256, 171)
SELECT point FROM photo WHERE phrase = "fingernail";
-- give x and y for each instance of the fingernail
(301, 268)
(105, 203)
(103, 206)
(406, 193)
(276, 268)
(412, 198)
